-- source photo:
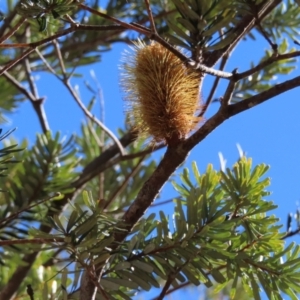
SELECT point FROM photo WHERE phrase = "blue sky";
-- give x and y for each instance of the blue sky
(269, 133)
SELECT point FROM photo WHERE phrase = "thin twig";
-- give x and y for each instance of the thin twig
(102, 134)
(18, 86)
(170, 279)
(60, 59)
(266, 63)
(46, 63)
(32, 241)
(241, 29)
(156, 37)
(124, 183)
(159, 203)
(16, 214)
(30, 80)
(15, 61)
(143, 152)
(66, 81)
(93, 118)
(37, 102)
(291, 233)
(150, 15)
(214, 87)
(253, 7)
(124, 24)
(12, 30)
(6, 23)
(225, 100)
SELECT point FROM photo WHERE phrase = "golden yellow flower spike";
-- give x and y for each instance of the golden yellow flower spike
(161, 94)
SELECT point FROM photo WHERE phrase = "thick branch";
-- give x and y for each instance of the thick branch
(173, 157)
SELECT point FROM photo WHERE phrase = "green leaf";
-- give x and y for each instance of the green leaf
(187, 24)
(149, 248)
(138, 280)
(142, 265)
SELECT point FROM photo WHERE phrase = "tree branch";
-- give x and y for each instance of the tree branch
(241, 29)
(37, 102)
(94, 118)
(231, 110)
(266, 63)
(15, 61)
(150, 15)
(8, 21)
(291, 233)
(12, 30)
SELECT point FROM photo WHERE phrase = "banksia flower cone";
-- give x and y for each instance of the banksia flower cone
(161, 94)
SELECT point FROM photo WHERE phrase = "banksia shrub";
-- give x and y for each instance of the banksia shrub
(161, 94)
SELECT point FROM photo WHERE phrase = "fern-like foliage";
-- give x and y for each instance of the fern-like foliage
(46, 169)
(220, 234)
